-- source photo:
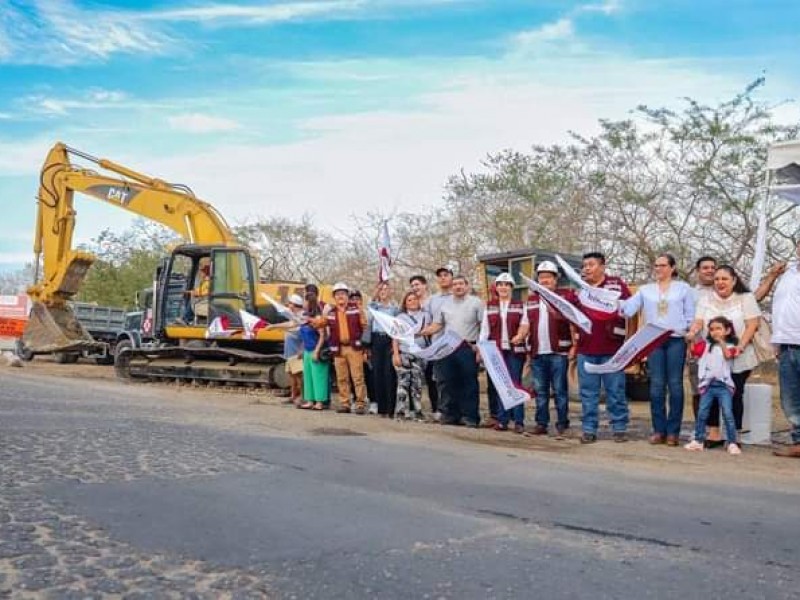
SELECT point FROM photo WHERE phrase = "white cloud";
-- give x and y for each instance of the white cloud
(257, 14)
(609, 7)
(563, 29)
(59, 32)
(93, 99)
(200, 123)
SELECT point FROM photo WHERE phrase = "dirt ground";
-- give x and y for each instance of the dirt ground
(262, 411)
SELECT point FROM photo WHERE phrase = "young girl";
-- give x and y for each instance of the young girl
(714, 373)
(410, 368)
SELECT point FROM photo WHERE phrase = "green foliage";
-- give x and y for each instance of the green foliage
(125, 264)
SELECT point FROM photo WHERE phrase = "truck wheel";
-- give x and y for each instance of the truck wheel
(122, 359)
(65, 358)
(21, 350)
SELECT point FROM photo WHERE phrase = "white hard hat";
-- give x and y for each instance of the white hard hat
(340, 286)
(547, 266)
(504, 278)
(295, 300)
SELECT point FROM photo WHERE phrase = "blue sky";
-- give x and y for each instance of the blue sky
(335, 107)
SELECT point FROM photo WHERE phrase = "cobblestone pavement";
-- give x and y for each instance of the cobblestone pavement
(47, 552)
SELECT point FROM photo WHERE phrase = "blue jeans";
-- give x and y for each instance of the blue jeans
(789, 374)
(616, 401)
(665, 367)
(514, 362)
(550, 371)
(459, 381)
(716, 391)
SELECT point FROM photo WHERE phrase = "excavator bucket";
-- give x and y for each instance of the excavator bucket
(56, 329)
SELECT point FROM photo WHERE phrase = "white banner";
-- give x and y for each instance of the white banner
(567, 310)
(443, 346)
(637, 347)
(599, 302)
(282, 310)
(510, 394)
(394, 327)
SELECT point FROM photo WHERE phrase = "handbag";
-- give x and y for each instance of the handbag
(762, 343)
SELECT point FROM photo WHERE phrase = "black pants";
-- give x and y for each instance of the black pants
(739, 379)
(384, 377)
(433, 388)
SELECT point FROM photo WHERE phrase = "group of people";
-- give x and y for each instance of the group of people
(715, 326)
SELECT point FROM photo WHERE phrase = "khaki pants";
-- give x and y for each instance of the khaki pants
(350, 363)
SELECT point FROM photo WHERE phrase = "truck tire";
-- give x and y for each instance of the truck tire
(21, 350)
(121, 362)
(66, 358)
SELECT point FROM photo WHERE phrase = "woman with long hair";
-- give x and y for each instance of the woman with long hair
(731, 299)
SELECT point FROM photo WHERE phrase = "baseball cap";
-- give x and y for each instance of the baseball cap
(444, 270)
(296, 300)
(340, 286)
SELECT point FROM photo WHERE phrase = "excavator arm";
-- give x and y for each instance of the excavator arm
(52, 326)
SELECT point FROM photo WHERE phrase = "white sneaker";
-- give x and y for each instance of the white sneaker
(437, 416)
(734, 449)
(694, 446)
(373, 408)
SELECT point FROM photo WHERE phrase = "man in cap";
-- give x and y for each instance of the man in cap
(551, 349)
(506, 324)
(345, 325)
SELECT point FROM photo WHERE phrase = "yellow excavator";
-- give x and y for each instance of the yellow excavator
(210, 264)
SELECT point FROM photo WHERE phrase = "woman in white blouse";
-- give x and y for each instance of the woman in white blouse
(669, 303)
(732, 299)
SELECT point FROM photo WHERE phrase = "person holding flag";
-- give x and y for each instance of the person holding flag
(607, 335)
(505, 322)
(550, 340)
(667, 302)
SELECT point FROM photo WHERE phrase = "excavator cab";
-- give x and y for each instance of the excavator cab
(200, 283)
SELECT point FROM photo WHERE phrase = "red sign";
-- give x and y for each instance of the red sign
(12, 328)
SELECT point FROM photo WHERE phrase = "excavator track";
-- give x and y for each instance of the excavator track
(210, 366)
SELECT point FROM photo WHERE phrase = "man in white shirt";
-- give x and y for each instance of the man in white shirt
(786, 337)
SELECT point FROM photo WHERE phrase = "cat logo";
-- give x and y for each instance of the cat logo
(119, 195)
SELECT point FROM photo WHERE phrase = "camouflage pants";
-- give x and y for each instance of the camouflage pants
(410, 379)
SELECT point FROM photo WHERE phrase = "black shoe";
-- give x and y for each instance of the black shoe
(471, 424)
(588, 438)
(343, 409)
(620, 437)
(714, 443)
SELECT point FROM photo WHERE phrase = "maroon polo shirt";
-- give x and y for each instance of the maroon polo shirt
(606, 336)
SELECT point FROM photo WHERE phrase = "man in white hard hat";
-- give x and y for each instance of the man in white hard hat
(506, 324)
(551, 348)
(346, 323)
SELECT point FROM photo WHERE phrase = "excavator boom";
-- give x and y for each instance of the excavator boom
(52, 326)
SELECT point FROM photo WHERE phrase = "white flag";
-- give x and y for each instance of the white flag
(219, 328)
(282, 310)
(601, 304)
(567, 310)
(510, 394)
(442, 347)
(761, 247)
(251, 324)
(384, 254)
(393, 327)
(636, 348)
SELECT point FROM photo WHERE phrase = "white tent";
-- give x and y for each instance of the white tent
(783, 170)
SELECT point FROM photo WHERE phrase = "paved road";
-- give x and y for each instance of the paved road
(106, 490)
